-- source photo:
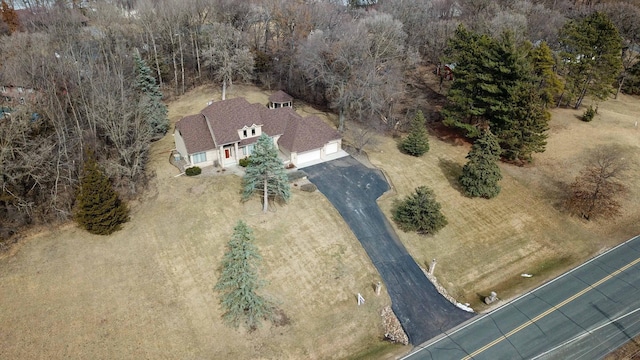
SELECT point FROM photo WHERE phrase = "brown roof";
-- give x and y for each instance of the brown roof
(280, 97)
(304, 134)
(228, 116)
(196, 134)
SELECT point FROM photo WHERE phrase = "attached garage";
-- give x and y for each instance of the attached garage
(308, 156)
(331, 148)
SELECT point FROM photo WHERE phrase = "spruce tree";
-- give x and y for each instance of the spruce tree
(419, 212)
(265, 173)
(239, 281)
(151, 103)
(481, 174)
(99, 210)
(417, 142)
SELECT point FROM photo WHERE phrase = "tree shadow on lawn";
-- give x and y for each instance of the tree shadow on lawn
(452, 171)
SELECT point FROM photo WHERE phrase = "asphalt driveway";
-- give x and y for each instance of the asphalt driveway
(353, 189)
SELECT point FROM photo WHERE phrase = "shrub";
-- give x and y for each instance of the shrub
(244, 162)
(419, 212)
(193, 171)
(309, 187)
(588, 114)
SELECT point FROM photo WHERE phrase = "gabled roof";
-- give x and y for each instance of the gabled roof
(196, 134)
(280, 97)
(305, 134)
(228, 116)
(225, 118)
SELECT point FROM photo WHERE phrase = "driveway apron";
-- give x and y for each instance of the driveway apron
(353, 189)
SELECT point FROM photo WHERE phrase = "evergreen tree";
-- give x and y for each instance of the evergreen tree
(98, 207)
(417, 142)
(632, 84)
(465, 108)
(493, 86)
(419, 212)
(528, 134)
(592, 55)
(239, 281)
(481, 174)
(266, 173)
(151, 98)
(548, 84)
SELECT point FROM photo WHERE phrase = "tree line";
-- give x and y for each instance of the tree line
(86, 61)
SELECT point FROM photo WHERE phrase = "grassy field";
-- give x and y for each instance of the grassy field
(146, 291)
(489, 243)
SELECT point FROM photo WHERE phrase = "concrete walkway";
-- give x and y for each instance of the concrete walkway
(353, 189)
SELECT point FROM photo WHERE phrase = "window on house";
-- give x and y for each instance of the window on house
(199, 157)
(253, 131)
(244, 133)
(249, 149)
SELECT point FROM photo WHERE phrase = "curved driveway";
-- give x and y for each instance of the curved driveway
(353, 189)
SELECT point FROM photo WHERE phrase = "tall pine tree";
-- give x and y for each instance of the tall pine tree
(266, 173)
(99, 210)
(548, 84)
(150, 98)
(528, 131)
(417, 142)
(490, 76)
(481, 174)
(592, 56)
(239, 281)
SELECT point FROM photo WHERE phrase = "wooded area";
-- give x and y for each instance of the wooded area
(77, 64)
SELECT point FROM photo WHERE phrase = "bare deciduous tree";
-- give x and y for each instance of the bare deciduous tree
(595, 192)
(227, 56)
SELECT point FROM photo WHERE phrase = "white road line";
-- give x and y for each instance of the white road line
(586, 333)
(482, 317)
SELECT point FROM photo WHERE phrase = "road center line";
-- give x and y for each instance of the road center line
(552, 309)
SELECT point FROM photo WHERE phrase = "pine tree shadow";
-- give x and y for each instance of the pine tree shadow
(452, 171)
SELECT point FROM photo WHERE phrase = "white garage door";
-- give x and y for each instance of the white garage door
(331, 148)
(309, 156)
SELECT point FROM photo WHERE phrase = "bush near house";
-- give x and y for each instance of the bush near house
(244, 162)
(193, 171)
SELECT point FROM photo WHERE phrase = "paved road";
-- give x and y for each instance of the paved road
(353, 189)
(583, 314)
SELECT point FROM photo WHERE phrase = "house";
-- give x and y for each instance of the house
(445, 71)
(226, 131)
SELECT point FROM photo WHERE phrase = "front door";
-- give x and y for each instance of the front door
(227, 153)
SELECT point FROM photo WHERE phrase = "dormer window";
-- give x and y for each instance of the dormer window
(244, 133)
(253, 131)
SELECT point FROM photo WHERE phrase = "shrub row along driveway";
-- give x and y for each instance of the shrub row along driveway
(353, 189)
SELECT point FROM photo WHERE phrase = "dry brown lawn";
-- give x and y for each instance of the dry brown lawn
(488, 244)
(146, 291)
